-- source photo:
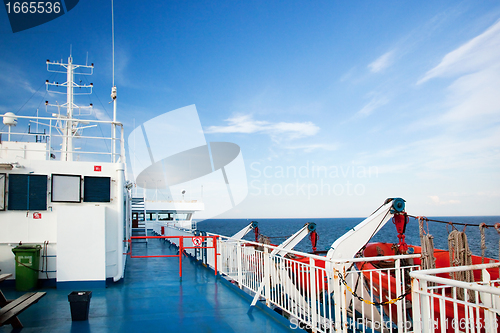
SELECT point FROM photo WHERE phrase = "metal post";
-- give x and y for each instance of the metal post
(113, 129)
(312, 282)
(337, 297)
(238, 258)
(50, 138)
(489, 301)
(399, 305)
(181, 244)
(67, 145)
(442, 312)
(344, 303)
(427, 319)
(215, 240)
(120, 187)
(267, 275)
(122, 145)
(415, 297)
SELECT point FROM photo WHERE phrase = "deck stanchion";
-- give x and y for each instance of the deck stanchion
(399, 291)
(415, 295)
(426, 308)
(215, 239)
(337, 297)
(238, 258)
(312, 285)
(181, 248)
(267, 276)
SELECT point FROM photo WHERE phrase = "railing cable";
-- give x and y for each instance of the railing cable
(452, 223)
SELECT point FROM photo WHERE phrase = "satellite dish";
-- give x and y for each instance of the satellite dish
(183, 192)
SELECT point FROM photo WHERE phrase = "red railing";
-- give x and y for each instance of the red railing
(181, 248)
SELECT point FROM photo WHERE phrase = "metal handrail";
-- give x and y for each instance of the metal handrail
(317, 257)
(428, 275)
(51, 135)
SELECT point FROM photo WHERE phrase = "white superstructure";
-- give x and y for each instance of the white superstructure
(64, 190)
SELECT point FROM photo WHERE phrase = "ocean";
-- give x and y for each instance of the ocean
(329, 229)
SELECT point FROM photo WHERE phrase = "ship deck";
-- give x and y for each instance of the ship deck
(152, 297)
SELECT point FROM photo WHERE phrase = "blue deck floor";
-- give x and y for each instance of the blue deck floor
(152, 298)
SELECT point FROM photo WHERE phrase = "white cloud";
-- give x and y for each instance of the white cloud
(375, 103)
(438, 201)
(382, 62)
(245, 124)
(441, 153)
(393, 168)
(466, 131)
(474, 96)
(472, 101)
(312, 147)
(477, 54)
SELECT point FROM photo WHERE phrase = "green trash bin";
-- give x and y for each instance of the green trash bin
(27, 263)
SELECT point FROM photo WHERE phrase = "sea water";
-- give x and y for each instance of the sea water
(329, 229)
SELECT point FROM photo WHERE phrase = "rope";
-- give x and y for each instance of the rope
(264, 239)
(460, 255)
(482, 227)
(452, 223)
(497, 228)
(428, 260)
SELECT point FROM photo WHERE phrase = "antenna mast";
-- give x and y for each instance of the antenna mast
(113, 89)
(68, 125)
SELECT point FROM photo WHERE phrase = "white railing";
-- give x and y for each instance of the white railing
(441, 304)
(93, 144)
(320, 294)
(361, 294)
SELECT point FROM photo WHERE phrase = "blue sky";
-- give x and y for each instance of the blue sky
(336, 105)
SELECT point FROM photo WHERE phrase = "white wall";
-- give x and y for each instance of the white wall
(111, 243)
(20, 226)
(81, 253)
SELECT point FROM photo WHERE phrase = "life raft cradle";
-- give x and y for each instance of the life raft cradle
(400, 221)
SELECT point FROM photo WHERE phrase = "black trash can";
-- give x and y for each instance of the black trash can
(79, 302)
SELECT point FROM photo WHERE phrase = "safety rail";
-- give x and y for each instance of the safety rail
(196, 242)
(443, 304)
(319, 294)
(52, 138)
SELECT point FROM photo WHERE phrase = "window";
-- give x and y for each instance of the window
(66, 188)
(96, 189)
(2, 191)
(27, 192)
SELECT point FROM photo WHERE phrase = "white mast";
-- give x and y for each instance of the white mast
(113, 146)
(67, 145)
(68, 125)
(113, 89)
